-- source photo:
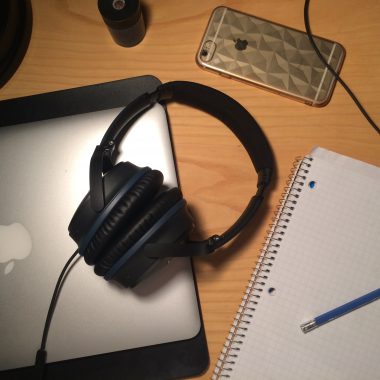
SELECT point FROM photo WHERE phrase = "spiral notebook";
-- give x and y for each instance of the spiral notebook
(323, 250)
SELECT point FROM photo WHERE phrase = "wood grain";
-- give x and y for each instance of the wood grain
(71, 47)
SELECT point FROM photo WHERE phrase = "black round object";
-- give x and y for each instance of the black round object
(124, 20)
(15, 32)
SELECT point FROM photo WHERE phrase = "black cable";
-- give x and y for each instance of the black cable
(41, 353)
(333, 72)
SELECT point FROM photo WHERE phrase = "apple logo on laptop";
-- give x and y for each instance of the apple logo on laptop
(15, 244)
(241, 44)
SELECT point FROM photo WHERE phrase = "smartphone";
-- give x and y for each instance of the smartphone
(275, 57)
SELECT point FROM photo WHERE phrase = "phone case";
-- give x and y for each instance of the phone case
(270, 55)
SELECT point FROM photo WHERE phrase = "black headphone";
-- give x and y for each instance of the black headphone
(129, 220)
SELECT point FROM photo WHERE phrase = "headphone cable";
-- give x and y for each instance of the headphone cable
(41, 353)
(333, 72)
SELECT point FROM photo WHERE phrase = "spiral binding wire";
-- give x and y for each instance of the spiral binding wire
(283, 213)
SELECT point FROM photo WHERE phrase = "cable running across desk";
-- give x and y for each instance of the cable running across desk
(334, 73)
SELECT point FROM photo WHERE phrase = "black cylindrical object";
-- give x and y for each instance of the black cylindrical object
(124, 20)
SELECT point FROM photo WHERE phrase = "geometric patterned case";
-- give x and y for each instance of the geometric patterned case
(273, 56)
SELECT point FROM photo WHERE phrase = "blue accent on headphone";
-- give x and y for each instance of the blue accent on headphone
(105, 212)
(130, 252)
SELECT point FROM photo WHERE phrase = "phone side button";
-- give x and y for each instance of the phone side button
(225, 75)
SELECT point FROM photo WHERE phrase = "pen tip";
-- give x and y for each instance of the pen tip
(308, 326)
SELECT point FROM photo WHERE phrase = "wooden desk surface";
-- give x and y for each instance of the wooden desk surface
(71, 47)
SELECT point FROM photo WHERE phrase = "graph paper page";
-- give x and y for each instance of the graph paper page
(329, 255)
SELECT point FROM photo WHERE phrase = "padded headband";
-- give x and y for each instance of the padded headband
(209, 100)
(204, 98)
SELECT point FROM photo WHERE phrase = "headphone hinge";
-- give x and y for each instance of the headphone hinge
(108, 149)
(214, 242)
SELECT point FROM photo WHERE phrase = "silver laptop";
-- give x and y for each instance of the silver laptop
(43, 177)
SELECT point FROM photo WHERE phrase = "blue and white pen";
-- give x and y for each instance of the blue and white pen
(340, 310)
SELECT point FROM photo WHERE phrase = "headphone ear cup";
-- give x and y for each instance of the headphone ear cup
(143, 223)
(124, 211)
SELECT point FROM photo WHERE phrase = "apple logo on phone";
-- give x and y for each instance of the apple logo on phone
(15, 244)
(241, 44)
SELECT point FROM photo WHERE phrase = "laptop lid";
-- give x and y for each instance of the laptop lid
(44, 176)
